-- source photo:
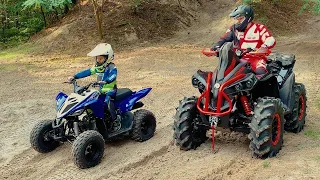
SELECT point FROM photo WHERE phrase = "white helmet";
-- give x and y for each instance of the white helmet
(103, 49)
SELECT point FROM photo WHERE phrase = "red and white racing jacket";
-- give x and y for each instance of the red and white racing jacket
(253, 37)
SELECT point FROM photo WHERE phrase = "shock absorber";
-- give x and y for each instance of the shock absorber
(246, 105)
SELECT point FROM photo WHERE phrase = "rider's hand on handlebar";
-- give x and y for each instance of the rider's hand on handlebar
(71, 79)
(209, 52)
(102, 82)
(216, 50)
(97, 84)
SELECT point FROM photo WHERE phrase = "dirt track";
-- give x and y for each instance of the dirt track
(28, 92)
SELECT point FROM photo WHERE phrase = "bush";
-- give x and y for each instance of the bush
(311, 5)
(32, 26)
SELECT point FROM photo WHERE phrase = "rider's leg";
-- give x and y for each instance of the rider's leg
(259, 67)
(110, 104)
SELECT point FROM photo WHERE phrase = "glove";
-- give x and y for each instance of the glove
(70, 79)
(102, 82)
(215, 48)
(249, 50)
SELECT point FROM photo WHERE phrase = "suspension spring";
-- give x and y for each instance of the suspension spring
(246, 105)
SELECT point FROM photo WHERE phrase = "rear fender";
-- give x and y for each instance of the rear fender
(128, 103)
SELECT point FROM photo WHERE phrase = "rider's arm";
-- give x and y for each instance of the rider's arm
(268, 40)
(109, 79)
(85, 73)
(227, 37)
(111, 74)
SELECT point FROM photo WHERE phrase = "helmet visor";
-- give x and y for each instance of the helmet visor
(239, 19)
(100, 60)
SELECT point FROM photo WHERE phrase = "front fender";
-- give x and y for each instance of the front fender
(93, 101)
(60, 99)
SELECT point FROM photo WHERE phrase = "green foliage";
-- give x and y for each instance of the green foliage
(20, 19)
(18, 51)
(60, 3)
(311, 5)
(32, 26)
(266, 164)
(35, 3)
(49, 5)
(313, 134)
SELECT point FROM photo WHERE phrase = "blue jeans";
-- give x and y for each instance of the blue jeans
(110, 104)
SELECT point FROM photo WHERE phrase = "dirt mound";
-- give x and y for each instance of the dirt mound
(281, 17)
(123, 25)
(149, 22)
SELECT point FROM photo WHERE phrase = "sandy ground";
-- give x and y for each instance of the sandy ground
(27, 94)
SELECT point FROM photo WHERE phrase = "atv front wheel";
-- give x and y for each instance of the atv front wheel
(187, 134)
(267, 126)
(87, 149)
(297, 118)
(41, 139)
(144, 125)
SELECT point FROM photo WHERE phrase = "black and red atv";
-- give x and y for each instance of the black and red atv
(235, 98)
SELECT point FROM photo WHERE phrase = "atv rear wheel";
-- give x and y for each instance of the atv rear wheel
(87, 149)
(41, 139)
(187, 135)
(144, 125)
(266, 128)
(297, 118)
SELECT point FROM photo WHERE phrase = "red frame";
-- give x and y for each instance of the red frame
(275, 142)
(302, 110)
(221, 95)
(259, 54)
(251, 56)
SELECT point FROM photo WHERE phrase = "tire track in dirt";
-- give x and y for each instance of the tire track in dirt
(59, 165)
(19, 118)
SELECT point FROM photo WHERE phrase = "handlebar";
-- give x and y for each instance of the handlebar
(257, 52)
(240, 53)
(209, 52)
(80, 89)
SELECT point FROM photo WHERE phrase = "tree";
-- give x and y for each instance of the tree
(46, 5)
(38, 5)
(98, 9)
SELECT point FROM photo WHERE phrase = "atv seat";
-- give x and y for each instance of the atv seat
(122, 93)
(285, 60)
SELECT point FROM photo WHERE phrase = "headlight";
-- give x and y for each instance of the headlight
(239, 87)
(249, 84)
(77, 113)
